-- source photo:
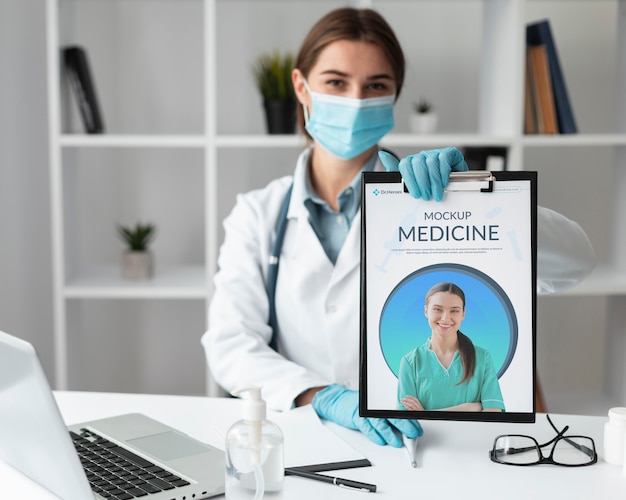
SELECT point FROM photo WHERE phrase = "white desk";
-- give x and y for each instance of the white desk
(453, 456)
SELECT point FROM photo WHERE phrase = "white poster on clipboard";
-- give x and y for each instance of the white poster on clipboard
(481, 238)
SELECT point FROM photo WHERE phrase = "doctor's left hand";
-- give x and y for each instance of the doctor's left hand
(426, 173)
(341, 405)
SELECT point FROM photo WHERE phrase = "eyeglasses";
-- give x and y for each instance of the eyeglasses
(570, 451)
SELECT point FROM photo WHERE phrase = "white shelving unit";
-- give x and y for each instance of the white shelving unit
(185, 134)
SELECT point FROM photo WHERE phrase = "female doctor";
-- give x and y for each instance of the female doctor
(348, 74)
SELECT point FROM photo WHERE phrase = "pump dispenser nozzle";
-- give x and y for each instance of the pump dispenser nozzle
(254, 413)
(254, 407)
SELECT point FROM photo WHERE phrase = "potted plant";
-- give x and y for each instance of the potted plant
(137, 260)
(423, 120)
(272, 72)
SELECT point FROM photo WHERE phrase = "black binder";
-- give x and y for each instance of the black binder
(83, 87)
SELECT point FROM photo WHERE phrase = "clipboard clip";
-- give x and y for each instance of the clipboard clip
(470, 180)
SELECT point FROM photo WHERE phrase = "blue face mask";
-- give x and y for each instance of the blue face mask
(346, 127)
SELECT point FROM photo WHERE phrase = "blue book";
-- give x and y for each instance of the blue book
(539, 33)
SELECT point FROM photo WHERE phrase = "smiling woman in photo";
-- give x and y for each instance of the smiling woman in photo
(448, 372)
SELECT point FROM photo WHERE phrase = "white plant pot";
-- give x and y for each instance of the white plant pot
(423, 123)
(137, 265)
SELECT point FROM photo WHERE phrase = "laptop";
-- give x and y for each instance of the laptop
(150, 460)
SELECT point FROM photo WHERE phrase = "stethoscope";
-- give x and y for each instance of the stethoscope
(272, 271)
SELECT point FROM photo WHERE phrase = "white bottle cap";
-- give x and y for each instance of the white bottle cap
(618, 416)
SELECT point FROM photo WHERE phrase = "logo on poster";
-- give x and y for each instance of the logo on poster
(377, 191)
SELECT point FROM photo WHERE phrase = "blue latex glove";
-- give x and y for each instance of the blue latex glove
(341, 405)
(426, 174)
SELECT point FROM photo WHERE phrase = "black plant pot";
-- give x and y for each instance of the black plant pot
(280, 116)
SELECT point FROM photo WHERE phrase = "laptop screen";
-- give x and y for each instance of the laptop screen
(33, 437)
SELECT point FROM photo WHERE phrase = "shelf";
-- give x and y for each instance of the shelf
(273, 141)
(572, 140)
(442, 140)
(109, 140)
(260, 141)
(187, 282)
(297, 140)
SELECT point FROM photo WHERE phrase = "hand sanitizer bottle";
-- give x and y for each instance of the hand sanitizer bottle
(254, 451)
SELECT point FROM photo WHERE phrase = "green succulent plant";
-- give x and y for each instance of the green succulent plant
(137, 238)
(423, 106)
(272, 72)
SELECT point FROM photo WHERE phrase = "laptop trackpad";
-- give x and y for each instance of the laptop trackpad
(168, 446)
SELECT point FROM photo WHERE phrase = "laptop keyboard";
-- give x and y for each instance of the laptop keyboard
(117, 473)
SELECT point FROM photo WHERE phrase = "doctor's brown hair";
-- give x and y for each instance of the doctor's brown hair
(352, 24)
(466, 346)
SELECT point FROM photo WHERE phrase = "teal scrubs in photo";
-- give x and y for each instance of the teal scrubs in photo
(423, 376)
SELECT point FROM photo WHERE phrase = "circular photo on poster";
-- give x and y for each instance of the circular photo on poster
(490, 320)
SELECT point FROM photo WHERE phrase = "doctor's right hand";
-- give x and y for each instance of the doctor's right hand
(427, 173)
(341, 405)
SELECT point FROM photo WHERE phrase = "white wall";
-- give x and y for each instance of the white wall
(25, 258)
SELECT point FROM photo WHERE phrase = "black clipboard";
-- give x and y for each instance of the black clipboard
(481, 237)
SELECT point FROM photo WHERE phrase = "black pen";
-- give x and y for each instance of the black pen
(337, 481)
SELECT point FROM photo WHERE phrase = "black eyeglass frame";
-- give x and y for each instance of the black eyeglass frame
(590, 452)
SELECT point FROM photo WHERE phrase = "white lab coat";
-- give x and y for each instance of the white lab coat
(317, 303)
